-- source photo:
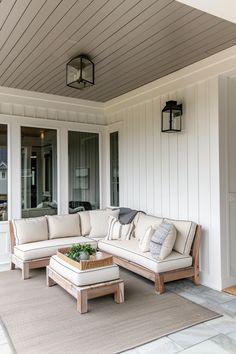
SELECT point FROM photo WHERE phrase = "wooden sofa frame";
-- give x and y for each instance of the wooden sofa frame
(159, 279)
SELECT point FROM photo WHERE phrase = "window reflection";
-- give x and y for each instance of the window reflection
(3, 172)
(38, 171)
(114, 169)
(83, 151)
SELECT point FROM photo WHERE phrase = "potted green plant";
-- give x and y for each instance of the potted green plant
(80, 252)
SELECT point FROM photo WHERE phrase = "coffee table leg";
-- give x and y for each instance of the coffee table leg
(50, 281)
(82, 301)
(119, 293)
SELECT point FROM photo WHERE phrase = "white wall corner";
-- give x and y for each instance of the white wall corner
(227, 143)
(224, 187)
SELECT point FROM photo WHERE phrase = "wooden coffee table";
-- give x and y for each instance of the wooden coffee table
(59, 275)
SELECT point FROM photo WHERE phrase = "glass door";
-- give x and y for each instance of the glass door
(83, 151)
(38, 171)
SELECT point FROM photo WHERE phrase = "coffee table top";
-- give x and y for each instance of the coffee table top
(100, 259)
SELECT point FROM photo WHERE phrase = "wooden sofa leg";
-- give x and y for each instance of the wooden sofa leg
(25, 271)
(159, 284)
(196, 279)
(13, 266)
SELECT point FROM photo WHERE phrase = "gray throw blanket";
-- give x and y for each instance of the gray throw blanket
(127, 215)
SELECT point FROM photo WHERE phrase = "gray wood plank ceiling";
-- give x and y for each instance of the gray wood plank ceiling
(131, 42)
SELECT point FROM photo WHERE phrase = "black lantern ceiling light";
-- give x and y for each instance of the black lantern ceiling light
(80, 72)
(171, 117)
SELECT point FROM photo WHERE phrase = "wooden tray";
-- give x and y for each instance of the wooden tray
(94, 262)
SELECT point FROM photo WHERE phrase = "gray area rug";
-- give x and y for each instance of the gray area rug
(44, 320)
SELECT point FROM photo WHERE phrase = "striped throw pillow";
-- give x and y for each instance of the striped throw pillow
(163, 240)
(118, 231)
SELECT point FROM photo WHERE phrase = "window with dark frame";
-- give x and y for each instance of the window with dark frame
(3, 172)
(83, 173)
(114, 168)
(38, 171)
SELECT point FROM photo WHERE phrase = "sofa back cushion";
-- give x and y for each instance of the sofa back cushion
(143, 223)
(84, 222)
(163, 240)
(63, 226)
(30, 230)
(118, 231)
(99, 220)
(185, 235)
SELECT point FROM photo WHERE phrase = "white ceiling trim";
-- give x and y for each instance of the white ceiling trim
(49, 100)
(225, 9)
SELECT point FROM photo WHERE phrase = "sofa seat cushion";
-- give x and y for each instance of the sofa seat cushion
(43, 249)
(63, 225)
(84, 277)
(129, 250)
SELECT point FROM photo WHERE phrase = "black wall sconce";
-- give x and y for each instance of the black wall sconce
(80, 72)
(171, 117)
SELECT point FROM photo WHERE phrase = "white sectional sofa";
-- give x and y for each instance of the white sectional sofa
(34, 241)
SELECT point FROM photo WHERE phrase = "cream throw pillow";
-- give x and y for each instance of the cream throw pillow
(63, 225)
(144, 242)
(163, 240)
(118, 231)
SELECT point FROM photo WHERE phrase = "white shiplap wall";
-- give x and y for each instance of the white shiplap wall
(175, 175)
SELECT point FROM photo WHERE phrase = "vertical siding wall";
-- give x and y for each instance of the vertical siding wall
(175, 175)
